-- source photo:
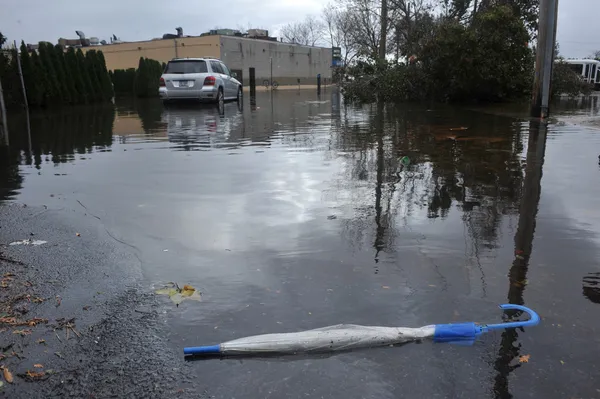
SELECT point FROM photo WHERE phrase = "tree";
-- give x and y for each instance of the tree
(488, 61)
(141, 79)
(306, 33)
(43, 86)
(413, 24)
(11, 84)
(69, 83)
(339, 29)
(54, 89)
(61, 76)
(91, 64)
(366, 21)
(107, 88)
(75, 75)
(31, 82)
(85, 76)
(526, 10)
(154, 70)
(2, 39)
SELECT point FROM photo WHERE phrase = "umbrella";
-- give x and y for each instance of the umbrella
(343, 337)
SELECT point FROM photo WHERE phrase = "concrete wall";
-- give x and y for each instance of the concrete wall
(127, 55)
(290, 62)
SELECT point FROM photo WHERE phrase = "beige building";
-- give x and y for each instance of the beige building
(290, 64)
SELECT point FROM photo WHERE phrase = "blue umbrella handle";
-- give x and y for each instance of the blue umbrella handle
(534, 319)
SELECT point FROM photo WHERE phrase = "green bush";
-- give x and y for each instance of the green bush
(486, 61)
(568, 82)
(146, 78)
(124, 80)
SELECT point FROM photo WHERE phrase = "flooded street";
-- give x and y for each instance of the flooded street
(300, 211)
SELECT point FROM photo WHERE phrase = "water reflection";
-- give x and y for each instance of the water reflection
(55, 137)
(507, 360)
(418, 199)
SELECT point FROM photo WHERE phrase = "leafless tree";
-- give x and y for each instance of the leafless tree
(366, 19)
(307, 33)
(339, 30)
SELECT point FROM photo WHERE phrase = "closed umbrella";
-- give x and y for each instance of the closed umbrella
(344, 337)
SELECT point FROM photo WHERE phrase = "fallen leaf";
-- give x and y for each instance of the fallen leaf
(37, 300)
(41, 341)
(188, 290)
(524, 359)
(35, 321)
(78, 235)
(22, 332)
(561, 362)
(385, 287)
(34, 375)
(38, 366)
(7, 375)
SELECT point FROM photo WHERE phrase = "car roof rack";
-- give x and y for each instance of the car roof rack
(196, 58)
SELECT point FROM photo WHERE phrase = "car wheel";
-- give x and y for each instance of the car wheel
(240, 95)
(220, 98)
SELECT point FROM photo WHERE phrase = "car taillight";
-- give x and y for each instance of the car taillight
(210, 81)
(161, 82)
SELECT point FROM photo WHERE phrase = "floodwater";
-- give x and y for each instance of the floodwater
(300, 211)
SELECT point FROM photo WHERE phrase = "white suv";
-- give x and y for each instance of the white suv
(204, 79)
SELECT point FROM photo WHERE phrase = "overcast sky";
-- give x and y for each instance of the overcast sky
(35, 20)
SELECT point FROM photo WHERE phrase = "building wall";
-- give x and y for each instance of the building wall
(290, 62)
(127, 55)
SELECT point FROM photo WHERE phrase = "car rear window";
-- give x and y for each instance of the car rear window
(197, 66)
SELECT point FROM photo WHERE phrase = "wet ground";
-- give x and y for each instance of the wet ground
(300, 211)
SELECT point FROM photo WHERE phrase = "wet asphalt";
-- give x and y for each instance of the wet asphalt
(293, 213)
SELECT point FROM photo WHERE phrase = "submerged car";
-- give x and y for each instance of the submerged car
(204, 79)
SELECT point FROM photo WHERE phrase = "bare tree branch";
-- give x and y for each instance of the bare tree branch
(307, 33)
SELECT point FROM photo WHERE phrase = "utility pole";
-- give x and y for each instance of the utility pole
(3, 122)
(544, 60)
(384, 23)
(20, 69)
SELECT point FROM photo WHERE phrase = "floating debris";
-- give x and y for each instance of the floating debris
(178, 295)
(28, 241)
